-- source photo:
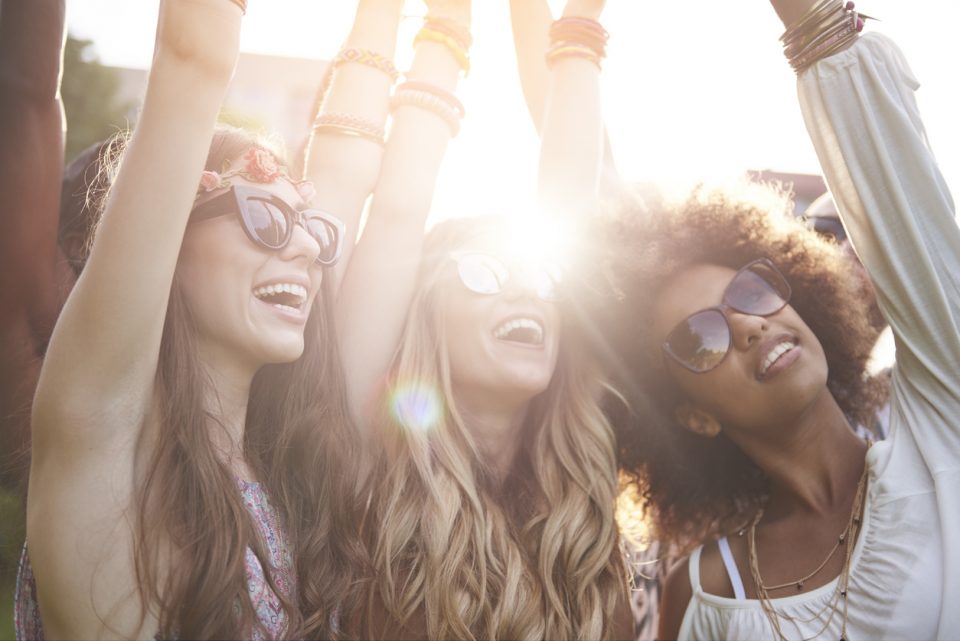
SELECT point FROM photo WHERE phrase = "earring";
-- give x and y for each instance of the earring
(697, 420)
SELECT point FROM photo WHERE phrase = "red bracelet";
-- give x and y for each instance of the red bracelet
(439, 92)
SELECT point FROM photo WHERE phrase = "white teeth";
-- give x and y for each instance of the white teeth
(518, 323)
(287, 308)
(299, 292)
(774, 354)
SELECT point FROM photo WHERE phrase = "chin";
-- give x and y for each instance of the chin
(532, 384)
(282, 352)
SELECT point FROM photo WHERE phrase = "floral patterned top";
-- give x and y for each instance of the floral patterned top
(26, 614)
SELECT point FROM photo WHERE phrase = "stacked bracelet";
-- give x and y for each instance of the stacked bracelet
(349, 55)
(349, 125)
(827, 27)
(577, 38)
(439, 92)
(449, 33)
(242, 4)
(434, 99)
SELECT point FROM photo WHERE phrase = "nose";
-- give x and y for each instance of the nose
(301, 245)
(523, 283)
(746, 329)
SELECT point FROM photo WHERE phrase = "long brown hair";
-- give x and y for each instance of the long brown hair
(534, 557)
(299, 443)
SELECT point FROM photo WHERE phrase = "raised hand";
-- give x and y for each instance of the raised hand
(204, 32)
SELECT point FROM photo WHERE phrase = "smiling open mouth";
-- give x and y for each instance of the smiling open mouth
(285, 296)
(774, 355)
(525, 331)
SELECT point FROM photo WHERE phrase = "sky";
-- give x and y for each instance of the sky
(692, 90)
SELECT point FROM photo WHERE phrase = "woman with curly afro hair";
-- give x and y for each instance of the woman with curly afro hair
(743, 344)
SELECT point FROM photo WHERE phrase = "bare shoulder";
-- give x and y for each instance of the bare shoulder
(674, 600)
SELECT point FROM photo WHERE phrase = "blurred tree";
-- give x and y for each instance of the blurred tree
(89, 92)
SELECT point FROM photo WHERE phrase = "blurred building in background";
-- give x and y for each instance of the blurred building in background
(271, 93)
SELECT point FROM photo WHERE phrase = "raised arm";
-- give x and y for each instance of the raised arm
(572, 145)
(31, 163)
(531, 20)
(346, 144)
(105, 347)
(381, 277)
(97, 381)
(860, 110)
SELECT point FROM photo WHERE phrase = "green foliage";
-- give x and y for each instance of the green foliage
(12, 532)
(89, 91)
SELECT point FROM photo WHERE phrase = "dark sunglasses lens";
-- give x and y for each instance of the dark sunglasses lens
(481, 274)
(828, 228)
(701, 340)
(758, 289)
(266, 222)
(326, 236)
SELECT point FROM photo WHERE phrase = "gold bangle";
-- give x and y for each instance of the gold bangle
(242, 4)
(346, 130)
(452, 44)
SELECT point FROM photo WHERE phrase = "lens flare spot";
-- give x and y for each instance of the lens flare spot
(540, 239)
(416, 406)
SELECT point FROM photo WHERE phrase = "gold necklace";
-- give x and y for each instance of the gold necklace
(849, 535)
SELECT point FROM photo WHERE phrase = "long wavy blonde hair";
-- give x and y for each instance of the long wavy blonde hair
(536, 556)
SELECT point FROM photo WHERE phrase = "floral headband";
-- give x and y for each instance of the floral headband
(256, 165)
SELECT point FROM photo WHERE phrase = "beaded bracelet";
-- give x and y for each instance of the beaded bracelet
(572, 50)
(350, 125)
(439, 92)
(368, 58)
(581, 31)
(574, 37)
(430, 102)
(452, 28)
(452, 44)
(242, 4)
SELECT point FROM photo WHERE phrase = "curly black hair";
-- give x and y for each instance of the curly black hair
(696, 488)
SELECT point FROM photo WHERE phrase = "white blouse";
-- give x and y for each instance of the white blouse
(860, 110)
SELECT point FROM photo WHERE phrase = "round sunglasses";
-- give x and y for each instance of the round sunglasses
(702, 340)
(486, 274)
(268, 220)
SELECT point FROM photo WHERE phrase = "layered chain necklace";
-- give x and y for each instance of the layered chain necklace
(838, 601)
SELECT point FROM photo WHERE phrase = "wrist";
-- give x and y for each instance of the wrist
(590, 10)
(456, 11)
(380, 9)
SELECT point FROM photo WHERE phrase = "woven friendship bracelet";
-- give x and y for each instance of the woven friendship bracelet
(242, 4)
(429, 102)
(459, 53)
(350, 125)
(368, 58)
(439, 92)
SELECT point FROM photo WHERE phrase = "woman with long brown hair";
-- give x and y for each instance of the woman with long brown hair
(190, 438)
(748, 339)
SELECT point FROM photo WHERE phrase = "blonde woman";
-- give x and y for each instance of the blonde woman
(494, 487)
